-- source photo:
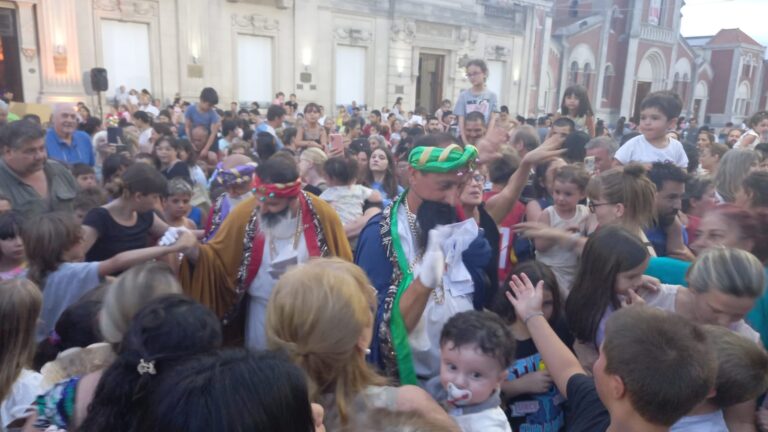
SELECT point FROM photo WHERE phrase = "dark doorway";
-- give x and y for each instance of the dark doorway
(641, 91)
(10, 61)
(429, 84)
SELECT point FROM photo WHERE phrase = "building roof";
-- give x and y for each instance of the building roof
(732, 36)
(698, 41)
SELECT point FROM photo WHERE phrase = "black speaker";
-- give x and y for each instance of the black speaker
(99, 80)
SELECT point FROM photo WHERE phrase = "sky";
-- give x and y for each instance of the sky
(707, 17)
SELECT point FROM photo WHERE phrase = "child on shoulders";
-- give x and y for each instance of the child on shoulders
(658, 114)
(476, 347)
(346, 197)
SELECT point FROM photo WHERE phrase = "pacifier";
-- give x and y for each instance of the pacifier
(457, 396)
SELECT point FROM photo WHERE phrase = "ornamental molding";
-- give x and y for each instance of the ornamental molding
(352, 35)
(497, 52)
(255, 21)
(404, 30)
(128, 8)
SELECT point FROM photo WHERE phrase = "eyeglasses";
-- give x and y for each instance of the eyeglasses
(593, 205)
(470, 75)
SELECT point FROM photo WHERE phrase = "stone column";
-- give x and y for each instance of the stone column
(59, 53)
(28, 43)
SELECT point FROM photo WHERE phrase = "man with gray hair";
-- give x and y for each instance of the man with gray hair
(602, 150)
(64, 142)
(33, 183)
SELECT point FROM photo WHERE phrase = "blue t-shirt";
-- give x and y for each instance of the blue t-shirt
(265, 127)
(658, 238)
(64, 287)
(385, 198)
(80, 150)
(196, 118)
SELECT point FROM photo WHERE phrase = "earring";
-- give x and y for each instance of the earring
(367, 351)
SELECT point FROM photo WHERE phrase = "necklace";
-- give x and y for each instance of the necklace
(296, 237)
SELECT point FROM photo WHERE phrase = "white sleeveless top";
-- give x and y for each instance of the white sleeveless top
(563, 261)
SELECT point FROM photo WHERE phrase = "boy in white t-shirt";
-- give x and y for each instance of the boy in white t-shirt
(658, 114)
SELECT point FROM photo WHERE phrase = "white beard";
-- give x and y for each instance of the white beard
(235, 201)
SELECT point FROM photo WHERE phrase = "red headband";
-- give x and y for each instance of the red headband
(276, 190)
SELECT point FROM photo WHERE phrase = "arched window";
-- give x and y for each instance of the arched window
(587, 75)
(607, 81)
(574, 74)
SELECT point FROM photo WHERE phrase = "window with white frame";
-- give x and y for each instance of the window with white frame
(350, 75)
(254, 68)
(125, 53)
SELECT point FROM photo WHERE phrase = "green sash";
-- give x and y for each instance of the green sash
(396, 323)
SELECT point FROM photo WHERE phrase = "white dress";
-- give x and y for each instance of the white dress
(564, 262)
(23, 393)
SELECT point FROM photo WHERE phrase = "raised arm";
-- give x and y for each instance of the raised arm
(502, 203)
(561, 363)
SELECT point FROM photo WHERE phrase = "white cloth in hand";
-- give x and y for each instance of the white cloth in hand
(456, 240)
(171, 235)
(430, 270)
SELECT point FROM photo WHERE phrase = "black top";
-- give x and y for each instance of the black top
(179, 169)
(115, 238)
(494, 238)
(586, 411)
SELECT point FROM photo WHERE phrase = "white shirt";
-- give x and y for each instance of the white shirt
(639, 150)
(347, 201)
(261, 287)
(23, 392)
(710, 422)
(149, 109)
(144, 144)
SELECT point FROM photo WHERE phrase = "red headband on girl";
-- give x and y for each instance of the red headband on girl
(276, 190)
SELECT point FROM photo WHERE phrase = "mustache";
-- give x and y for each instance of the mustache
(270, 220)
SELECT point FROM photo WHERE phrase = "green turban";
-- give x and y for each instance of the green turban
(441, 160)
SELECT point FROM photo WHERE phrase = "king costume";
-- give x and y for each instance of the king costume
(387, 251)
(237, 269)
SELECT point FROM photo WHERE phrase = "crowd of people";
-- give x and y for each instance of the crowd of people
(187, 267)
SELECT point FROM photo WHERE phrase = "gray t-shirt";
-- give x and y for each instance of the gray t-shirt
(485, 102)
(64, 287)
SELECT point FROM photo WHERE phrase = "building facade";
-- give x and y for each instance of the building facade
(375, 51)
(328, 51)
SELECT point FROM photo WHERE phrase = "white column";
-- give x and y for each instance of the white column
(59, 53)
(547, 37)
(30, 55)
(597, 95)
(628, 87)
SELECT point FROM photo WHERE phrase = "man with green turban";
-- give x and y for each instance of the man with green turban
(425, 266)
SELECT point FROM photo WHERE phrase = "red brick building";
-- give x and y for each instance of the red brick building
(621, 50)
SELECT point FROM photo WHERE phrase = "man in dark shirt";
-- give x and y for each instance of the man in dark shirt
(654, 367)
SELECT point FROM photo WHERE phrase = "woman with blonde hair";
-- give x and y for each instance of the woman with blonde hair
(66, 404)
(734, 167)
(311, 170)
(322, 315)
(20, 303)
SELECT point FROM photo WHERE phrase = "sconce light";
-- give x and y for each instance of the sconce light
(60, 59)
(516, 75)
(306, 57)
(400, 67)
(195, 59)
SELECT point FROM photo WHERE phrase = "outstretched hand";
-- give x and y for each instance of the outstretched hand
(524, 297)
(548, 150)
(540, 230)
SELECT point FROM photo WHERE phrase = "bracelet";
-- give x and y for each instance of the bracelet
(534, 314)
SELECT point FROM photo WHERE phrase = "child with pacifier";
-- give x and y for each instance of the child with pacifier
(476, 347)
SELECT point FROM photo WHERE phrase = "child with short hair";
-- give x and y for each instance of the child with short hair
(758, 128)
(576, 106)
(85, 176)
(530, 398)
(346, 197)
(742, 375)
(568, 189)
(658, 114)
(13, 263)
(476, 347)
(204, 114)
(176, 204)
(87, 200)
(54, 244)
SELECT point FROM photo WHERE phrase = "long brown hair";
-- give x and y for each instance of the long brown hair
(20, 303)
(46, 237)
(389, 184)
(317, 314)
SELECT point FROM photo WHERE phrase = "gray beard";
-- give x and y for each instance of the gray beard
(268, 221)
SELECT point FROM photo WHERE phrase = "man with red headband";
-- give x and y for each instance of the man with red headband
(278, 227)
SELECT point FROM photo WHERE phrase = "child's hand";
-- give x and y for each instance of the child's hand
(536, 382)
(317, 416)
(540, 230)
(187, 239)
(526, 299)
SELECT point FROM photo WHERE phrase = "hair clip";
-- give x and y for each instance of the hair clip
(145, 367)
